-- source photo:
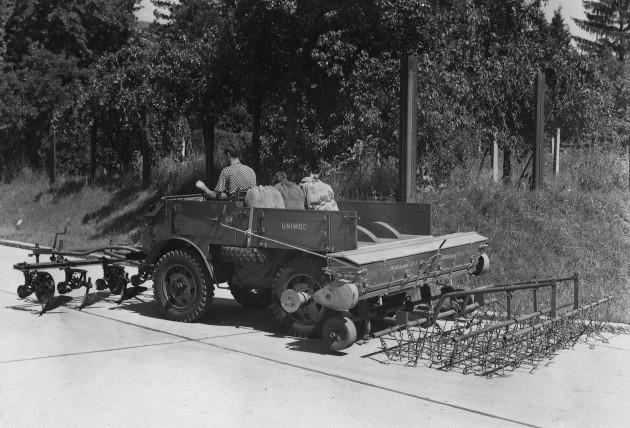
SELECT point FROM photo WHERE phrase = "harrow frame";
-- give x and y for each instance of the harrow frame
(476, 338)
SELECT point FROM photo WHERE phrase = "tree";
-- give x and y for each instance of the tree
(559, 28)
(197, 29)
(84, 29)
(48, 49)
(609, 22)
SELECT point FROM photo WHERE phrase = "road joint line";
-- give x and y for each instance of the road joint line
(96, 351)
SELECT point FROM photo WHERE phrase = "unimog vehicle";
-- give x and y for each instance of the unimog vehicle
(320, 271)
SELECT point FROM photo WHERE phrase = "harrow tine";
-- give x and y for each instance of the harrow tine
(486, 342)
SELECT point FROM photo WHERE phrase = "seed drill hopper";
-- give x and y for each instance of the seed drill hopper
(370, 270)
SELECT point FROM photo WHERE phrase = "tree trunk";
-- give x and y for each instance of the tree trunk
(207, 133)
(290, 112)
(257, 112)
(93, 135)
(507, 164)
(53, 158)
(146, 150)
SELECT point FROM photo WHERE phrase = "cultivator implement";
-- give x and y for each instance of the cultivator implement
(486, 337)
(38, 281)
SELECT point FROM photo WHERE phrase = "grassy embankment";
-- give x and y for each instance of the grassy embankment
(579, 223)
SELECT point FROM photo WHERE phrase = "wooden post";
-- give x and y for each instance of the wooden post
(495, 161)
(556, 160)
(408, 127)
(553, 147)
(539, 119)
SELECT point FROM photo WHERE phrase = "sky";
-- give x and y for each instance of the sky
(570, 9)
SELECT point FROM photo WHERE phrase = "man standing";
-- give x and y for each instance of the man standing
(233, 178)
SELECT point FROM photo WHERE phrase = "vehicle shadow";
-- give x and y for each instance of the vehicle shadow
(311, 346)
(223, 312)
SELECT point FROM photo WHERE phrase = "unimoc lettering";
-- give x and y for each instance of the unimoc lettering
(293, 226)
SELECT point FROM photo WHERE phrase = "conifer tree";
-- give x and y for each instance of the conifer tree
(559, 28)
(609, 22)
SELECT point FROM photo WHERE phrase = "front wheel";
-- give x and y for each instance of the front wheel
(182, 286)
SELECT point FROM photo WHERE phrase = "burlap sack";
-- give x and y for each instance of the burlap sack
(319, 195)
(292, 195)
(264, 197)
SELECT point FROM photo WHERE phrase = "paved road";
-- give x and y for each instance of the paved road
(110, 365)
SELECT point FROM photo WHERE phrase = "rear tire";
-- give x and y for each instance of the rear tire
(301, 274)
(182, 286)
(251, 298)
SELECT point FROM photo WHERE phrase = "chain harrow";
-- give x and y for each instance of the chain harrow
(487, 342)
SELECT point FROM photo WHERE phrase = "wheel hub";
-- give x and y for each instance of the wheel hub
(306, 284)
(179, 286)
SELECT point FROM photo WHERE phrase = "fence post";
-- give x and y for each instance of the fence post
(554, 304)
(556, 160)
(408, 127)
(576, 296)
(539, 120)
(495, 161)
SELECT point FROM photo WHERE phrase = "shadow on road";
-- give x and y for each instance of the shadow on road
(223, 312)
(312, 346)
(35, 307)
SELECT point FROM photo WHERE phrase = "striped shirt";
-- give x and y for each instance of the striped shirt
(234, 178)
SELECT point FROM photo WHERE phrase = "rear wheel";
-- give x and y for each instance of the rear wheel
(251, 298)
(303, 274)
(182, 286)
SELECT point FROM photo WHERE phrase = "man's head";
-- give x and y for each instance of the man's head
(280, 177)
(232, 151)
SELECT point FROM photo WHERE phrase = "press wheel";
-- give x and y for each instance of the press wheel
(339, 333)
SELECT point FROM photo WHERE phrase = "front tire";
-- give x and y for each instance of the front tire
(182, 286)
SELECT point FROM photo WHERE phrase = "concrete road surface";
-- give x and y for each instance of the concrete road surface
(120, 366)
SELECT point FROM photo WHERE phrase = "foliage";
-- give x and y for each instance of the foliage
(314, 80)
(607, 21)
(48, 50)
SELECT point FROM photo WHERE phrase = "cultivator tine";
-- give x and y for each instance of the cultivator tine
(487, 342)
